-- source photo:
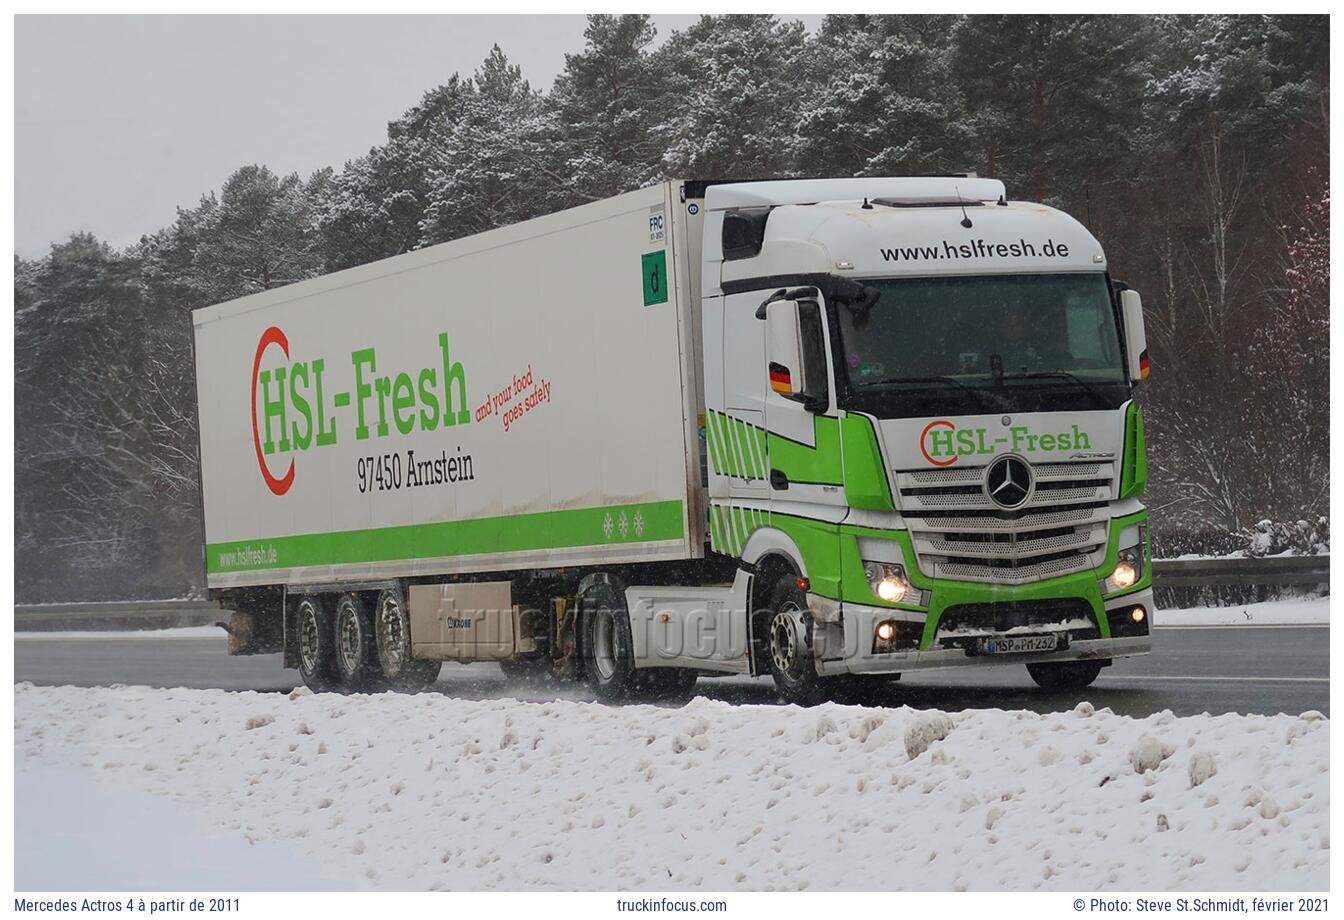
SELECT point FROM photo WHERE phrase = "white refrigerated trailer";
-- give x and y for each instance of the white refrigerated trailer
(696, 429)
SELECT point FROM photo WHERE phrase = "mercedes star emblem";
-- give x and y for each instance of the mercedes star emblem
(1008, 482)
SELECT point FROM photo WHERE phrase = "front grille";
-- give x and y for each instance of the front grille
(1072, 614)
(958, 532)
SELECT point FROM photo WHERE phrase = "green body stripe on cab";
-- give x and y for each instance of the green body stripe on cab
(1134, 468)
(712, 445)
(810, 464)
(867, 485)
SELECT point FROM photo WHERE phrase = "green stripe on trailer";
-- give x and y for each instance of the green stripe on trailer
(646, 522)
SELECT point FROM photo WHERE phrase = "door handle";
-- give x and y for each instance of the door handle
(778, 481)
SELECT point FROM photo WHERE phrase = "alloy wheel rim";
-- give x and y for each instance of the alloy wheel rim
(784, 639)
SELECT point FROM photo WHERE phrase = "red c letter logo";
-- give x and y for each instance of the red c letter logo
(271, 336)
(923, 436)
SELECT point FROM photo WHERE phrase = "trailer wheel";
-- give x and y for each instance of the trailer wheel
(608, 660)
(316, 641)
(1064, 675)
(392, 625)
(356, 658)
(789, 640)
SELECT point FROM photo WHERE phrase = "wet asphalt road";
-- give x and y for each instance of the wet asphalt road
(1259, 669)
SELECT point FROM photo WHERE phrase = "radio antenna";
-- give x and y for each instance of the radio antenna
(965, 218)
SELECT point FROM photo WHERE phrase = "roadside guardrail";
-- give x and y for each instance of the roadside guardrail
(110, 615)
(1241, 570)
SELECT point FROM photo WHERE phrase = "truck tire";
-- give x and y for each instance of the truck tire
(317, 643)
(608, 657)
(356, 657)
(1064, 675)
(789, 645)
(392, 627)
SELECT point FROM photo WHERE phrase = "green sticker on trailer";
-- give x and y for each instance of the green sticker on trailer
(655, 277)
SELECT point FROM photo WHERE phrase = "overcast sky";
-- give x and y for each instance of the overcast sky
(119, 119)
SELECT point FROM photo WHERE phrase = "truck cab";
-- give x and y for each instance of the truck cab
(922, 433)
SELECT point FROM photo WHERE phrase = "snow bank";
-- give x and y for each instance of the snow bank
(426, 791)
(1296, 612)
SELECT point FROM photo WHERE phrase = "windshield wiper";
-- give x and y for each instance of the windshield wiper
(981, 396)
(1082, 384)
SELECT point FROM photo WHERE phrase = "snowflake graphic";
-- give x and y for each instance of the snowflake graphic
(624, 525)
(606, 525)
(639, 523)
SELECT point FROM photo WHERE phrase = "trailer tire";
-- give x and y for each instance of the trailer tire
(316, 637)
(392, 626)
(1064, 675)
(356, 656)
(608, 657)
(789, 645)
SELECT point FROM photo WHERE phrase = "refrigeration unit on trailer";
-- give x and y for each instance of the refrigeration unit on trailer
(806, 428)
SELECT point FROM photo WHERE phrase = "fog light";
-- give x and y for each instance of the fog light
(1137, 615)
(891, 589)
(886, 630)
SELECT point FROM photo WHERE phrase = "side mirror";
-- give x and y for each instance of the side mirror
(784, 348)
(1136, 343)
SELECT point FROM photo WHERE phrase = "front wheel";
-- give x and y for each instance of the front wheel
(1064, 675)
(789, 640)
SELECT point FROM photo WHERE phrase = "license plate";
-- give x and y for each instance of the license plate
(1012, 645)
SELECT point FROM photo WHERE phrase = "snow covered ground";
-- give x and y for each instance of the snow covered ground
(416, 792)
(1295, 612)
(79, 833)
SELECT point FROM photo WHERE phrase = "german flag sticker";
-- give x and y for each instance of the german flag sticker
(780, 381)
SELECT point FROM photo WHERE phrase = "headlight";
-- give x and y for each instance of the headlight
(889, 583)
(1128, 569)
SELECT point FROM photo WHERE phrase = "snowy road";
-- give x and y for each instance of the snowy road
(1261, 669)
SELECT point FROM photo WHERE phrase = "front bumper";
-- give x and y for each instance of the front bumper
(847, 647)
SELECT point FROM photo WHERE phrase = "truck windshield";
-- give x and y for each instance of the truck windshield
(983, 344)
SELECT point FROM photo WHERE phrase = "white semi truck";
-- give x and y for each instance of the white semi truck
(808, 428)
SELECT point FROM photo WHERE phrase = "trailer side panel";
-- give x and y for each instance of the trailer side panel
(512, 400)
